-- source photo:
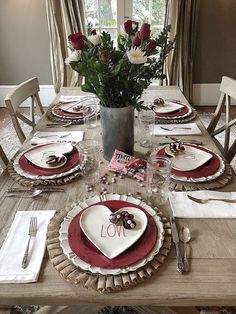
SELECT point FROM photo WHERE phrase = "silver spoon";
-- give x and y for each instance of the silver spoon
(34, 193)
(185, 238)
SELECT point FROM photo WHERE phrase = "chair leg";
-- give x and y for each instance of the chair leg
(18, 129)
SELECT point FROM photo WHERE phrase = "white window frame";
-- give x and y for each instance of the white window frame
(124, 13)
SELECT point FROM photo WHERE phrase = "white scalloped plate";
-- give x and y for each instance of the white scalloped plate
(63, 235)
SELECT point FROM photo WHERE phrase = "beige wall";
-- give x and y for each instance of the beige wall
(216, 41)
(24, 42)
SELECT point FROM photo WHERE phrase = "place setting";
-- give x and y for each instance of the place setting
(194, 167)
(171, 111)
(110, 242)
(47, 164)
(70, 110)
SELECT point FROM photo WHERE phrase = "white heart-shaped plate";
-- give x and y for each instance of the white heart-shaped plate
(111, 239)
(168, 107)
(188, 159)
(38, 155)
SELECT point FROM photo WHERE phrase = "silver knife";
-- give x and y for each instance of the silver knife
(175, 237)
(44, 189)
(184, 142)
(197, 142)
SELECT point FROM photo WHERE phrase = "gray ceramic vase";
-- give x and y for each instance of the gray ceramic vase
(117, 130)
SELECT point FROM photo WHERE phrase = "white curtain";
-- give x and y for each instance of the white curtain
(64, 17)
(182, 15)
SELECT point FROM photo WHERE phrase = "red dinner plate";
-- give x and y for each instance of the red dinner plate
(72, 161)
(59, 112)
(88, 252)
(208, 169)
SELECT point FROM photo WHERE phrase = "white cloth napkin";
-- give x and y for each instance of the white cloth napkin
(57, 137)
(13, 248)
(183, 207)
(66, 99)
(157, 130)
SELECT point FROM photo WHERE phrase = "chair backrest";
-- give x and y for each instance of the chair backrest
(228, 91)
(3, 158)
(27, 89)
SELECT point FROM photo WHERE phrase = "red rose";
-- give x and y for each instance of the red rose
(136, 40)
(145, 31)
(128, 26)
(77, 40)
(93, 32)
(151, 44)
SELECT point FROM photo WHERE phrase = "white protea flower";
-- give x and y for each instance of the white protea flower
(74, 56)
(136, 56)
(95, 39)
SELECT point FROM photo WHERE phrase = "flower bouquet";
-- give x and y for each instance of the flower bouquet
(119, 75)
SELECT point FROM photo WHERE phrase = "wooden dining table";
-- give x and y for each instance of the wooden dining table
(212, 249)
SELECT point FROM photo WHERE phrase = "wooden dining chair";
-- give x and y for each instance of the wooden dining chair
(228, 91)
(26, 90)
(3, 158)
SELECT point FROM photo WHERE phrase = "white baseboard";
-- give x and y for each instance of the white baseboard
(207, 95)
(47, 94)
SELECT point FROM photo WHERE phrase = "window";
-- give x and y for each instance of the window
(150, 11)
(109, 15)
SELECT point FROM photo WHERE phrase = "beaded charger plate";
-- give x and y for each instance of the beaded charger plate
(213, 177)
(97, 281)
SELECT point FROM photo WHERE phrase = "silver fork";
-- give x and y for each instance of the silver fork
(31, 233)
(205, 200)
(175, 127)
